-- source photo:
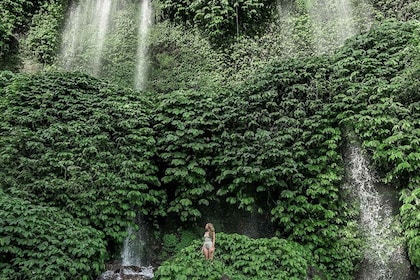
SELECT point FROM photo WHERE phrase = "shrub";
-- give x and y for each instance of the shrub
(240, 257)
(41, 242)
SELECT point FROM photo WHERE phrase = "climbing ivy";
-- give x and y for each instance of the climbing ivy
(188, 122)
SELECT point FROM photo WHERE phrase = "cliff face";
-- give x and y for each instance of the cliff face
(249, 134)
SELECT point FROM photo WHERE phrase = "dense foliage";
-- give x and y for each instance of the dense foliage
(240, 257)
(42, 242)
(398, 9)
(221, 19)
(13, 17)
(43, 38)
(74, 143)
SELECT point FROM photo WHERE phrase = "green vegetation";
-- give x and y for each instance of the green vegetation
(240, 257)
(74, 145)
(252, 124)
(42, 242)
(222, 19)
(43, 38)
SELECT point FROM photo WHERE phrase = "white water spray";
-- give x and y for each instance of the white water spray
(132, 250)
(142, 45)
(85, 33)
(320, 26)
(108, 39)
(332, 23)
(134, 254)
(384, 256)
(103, 9)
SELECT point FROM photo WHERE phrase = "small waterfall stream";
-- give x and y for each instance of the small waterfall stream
(84, 35)
(108, 39)
(134, 255)
(332, 21)
(144, 26)
(384, 254)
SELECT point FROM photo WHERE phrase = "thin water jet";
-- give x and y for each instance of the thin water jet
(134, 255)
(143, 31)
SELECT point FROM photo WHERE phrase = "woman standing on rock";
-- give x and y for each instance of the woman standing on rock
(209, 241)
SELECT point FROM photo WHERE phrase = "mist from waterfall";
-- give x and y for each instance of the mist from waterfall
(320, 26)
(103, 9)
(332, 21)
(107, 39)
(84, 33)
(384, 254)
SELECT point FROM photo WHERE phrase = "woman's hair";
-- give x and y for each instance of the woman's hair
(211, 227)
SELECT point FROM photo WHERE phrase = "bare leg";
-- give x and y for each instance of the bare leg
(211, 253)
(206, 253)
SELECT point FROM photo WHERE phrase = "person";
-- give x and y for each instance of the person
(209, 241)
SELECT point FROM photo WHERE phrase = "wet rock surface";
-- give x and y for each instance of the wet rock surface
(127, 273)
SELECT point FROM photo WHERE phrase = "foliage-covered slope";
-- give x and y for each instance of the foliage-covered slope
(240, 257)
(72, 143)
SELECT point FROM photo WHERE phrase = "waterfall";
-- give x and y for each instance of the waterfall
(107, 39)
(84, 35)
(133, 248)
(144, 25)
(332, 23)
(134, 253)
(384, 255)
(320, 26)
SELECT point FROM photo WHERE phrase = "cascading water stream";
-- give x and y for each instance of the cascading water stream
(108, 39)
(384, 256)
(144, 26)
(85, 33)
(134, 254)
